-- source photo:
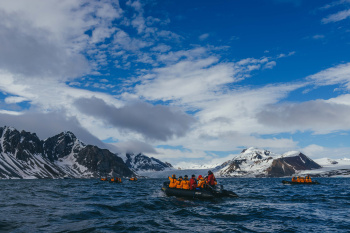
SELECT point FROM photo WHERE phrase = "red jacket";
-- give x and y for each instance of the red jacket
(211, 179)
(193, 183)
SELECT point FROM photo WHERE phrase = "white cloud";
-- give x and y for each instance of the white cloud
(270, 65)
(133, 146)
(318, 116)
(316, 37)
(333, 4)
(316, 152)
(15, 99)
(204, 36)
(161, 48)
(339, 74)
(177, 154)
(47, 38)
(339, 16)
(186, 79)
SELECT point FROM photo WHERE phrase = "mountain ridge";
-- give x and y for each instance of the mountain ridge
(253, 162)
(24, 155)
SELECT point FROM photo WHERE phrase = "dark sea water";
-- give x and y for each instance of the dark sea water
(264, 205)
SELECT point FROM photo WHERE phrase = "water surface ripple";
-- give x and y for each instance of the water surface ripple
(264, 205)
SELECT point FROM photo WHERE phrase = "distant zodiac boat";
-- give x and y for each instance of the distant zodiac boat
(291, 182)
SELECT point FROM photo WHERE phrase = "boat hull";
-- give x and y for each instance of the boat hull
(298, 183)
(200, 194)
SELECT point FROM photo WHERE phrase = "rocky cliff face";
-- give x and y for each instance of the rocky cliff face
(253, 162)
(287, 166)
(24, 155)
(141, 162)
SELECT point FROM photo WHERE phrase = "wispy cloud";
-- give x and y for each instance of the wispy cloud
(204, 36)
(339, 74)
(316, 37)
(339, 16)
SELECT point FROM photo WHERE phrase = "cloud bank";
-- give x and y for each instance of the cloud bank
(153, 122)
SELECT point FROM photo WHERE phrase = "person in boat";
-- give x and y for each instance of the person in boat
(201, 182)
(308, 179)
(185, 183)
(298, 179)
(211, 179)
(173, 181)
(294, 179)
(302, 179)
(178, 183)
(112, 179)
(193, 182)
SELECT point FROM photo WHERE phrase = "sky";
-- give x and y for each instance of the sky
(182, 81)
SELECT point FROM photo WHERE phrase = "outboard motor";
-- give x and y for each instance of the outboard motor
(218, 188)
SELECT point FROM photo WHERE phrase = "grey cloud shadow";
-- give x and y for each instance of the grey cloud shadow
(153, 122)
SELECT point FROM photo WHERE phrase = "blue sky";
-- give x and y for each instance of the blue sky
(183, 81)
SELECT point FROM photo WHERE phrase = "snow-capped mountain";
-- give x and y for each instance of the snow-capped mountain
(254, 162)
(141, 163)
(24, 155)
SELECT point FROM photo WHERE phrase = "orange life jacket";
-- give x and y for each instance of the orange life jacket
(185, 184)
(173, 182)
(178, 184)
(293, 179)
(302, 180)
(112, 179)
(201, 183)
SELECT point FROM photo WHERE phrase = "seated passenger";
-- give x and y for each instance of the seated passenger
(308, 179)
(193, 182)
(298, 179)
(185, 183)
(201, 182)
(173, 181)
(302, 180)
(178, 183)
(293, 179)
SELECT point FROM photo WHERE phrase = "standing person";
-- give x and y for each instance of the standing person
(173, 181)
(193, 182)
(211, 178)
(178, 183)
(185, 183)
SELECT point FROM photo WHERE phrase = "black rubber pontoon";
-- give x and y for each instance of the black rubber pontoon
(291, 182)
(216, 192)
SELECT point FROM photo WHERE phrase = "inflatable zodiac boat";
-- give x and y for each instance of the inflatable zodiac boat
(209, 193)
